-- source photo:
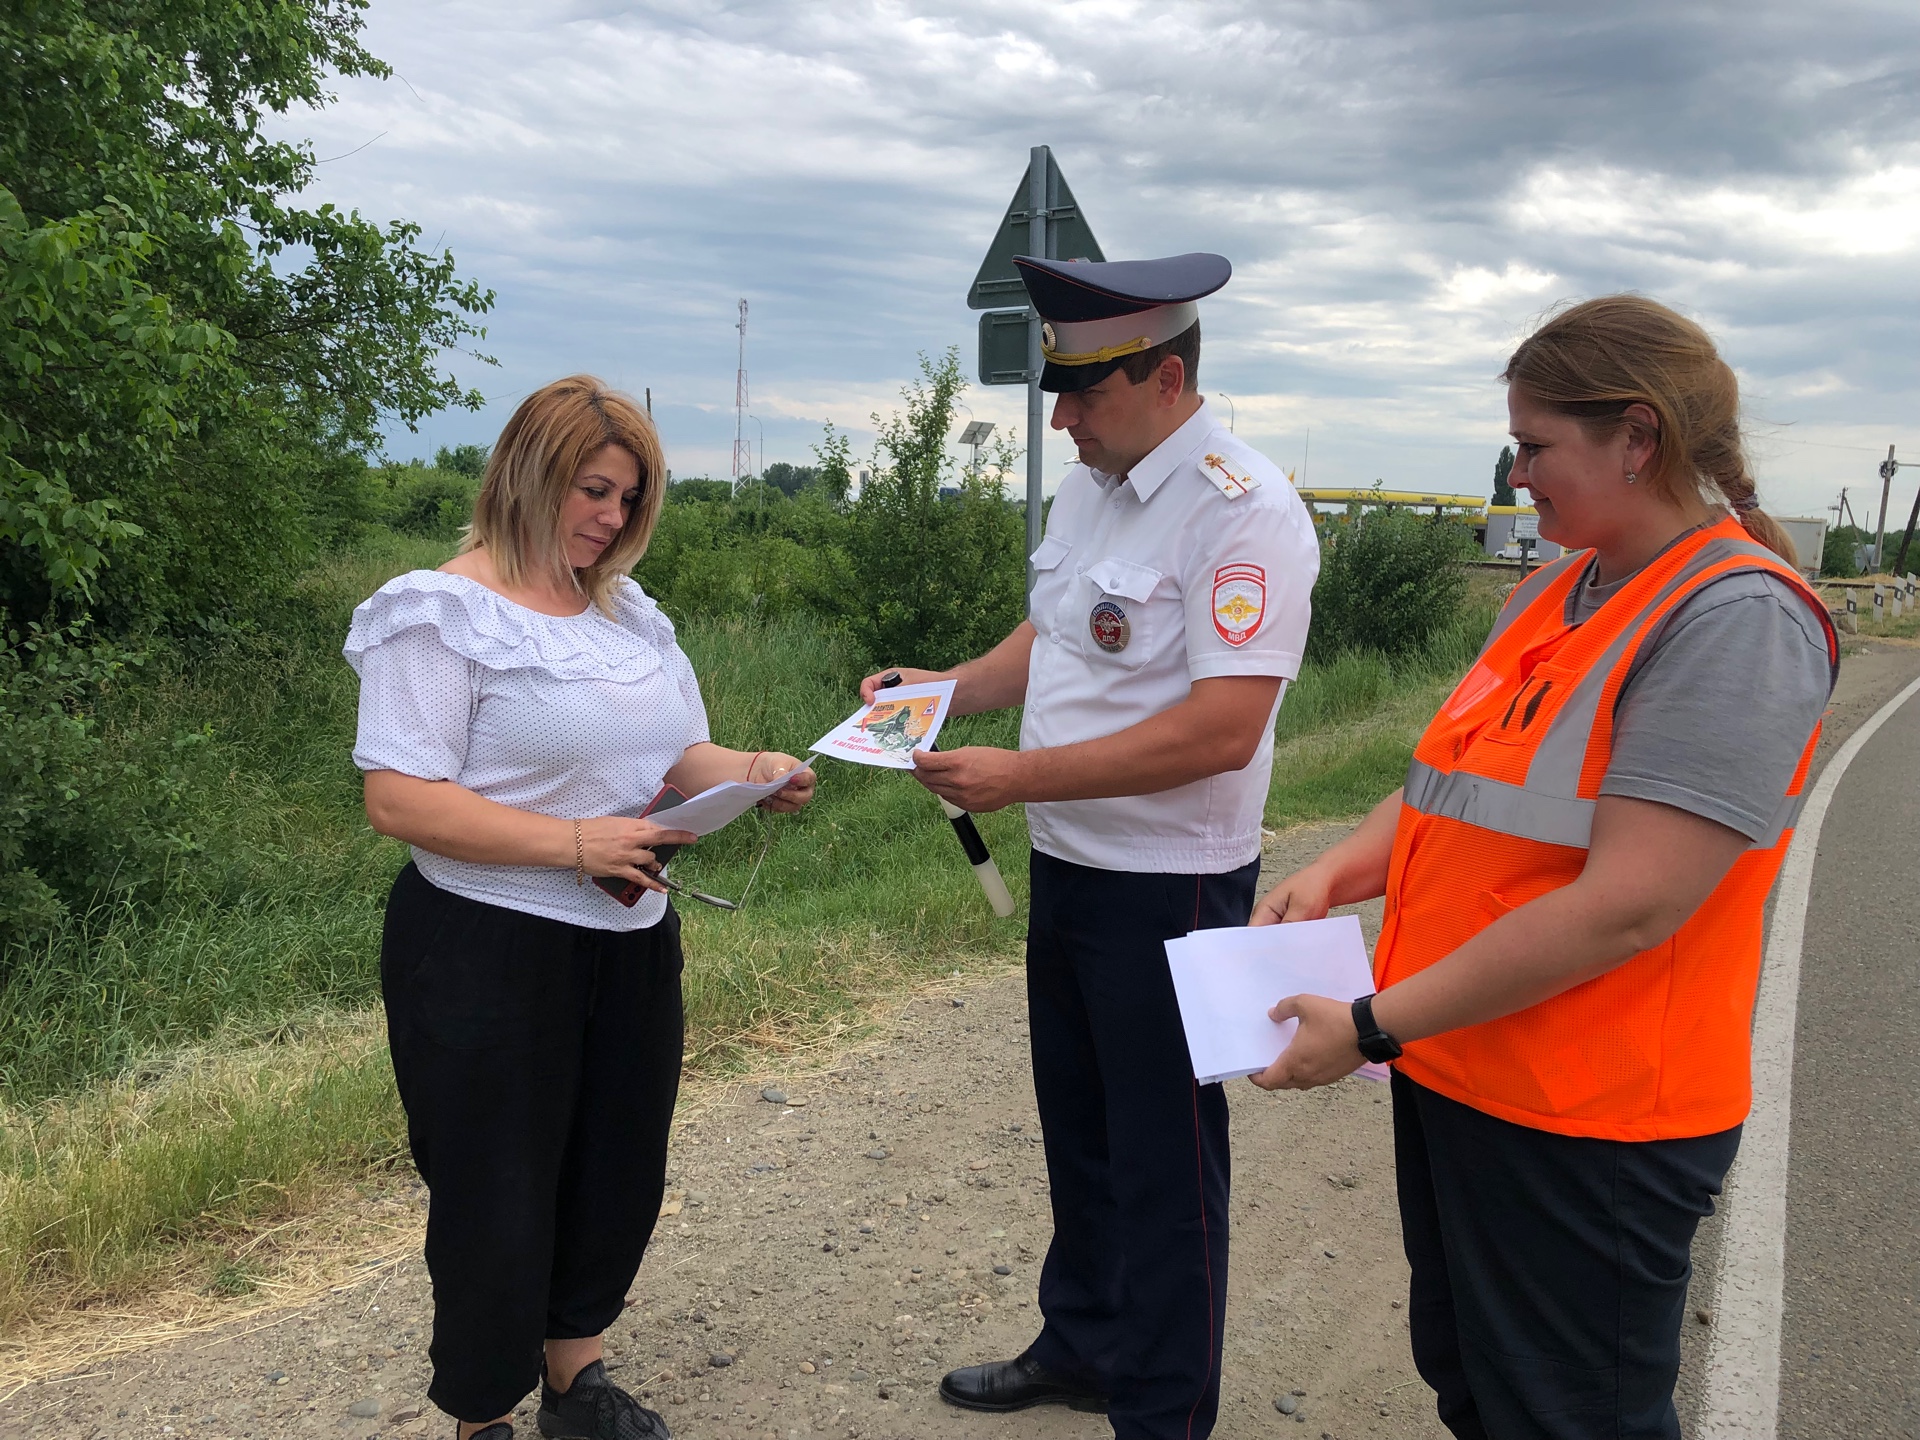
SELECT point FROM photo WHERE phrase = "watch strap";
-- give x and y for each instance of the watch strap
(1375, 1044)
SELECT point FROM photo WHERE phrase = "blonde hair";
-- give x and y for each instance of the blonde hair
(549, 440)
(1593, 360)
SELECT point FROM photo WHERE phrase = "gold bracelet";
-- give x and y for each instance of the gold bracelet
(579, 856)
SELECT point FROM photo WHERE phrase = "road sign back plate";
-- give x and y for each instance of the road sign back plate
(1069, 237)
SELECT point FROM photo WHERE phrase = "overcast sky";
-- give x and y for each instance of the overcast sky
(1402, 189)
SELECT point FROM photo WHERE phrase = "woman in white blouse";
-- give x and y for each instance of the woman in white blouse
(518, 708)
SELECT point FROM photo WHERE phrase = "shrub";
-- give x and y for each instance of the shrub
(468, 460)
(79, 820)
(433, 503)
(698, 489)
(1390, 581)
(1837, 560)
(937, 578)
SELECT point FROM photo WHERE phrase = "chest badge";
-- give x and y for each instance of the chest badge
(1109, 626)
(1239, 602)
(1233, 483)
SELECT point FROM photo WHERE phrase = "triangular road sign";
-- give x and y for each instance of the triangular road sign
(1069, 237)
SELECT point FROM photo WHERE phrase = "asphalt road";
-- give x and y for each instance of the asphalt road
(1850, 1347)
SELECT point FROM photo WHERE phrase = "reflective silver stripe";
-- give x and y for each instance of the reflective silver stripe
(1501, 807)
(1548, 808)
(1556, 764)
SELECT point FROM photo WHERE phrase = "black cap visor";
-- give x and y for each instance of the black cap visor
(1057, 379)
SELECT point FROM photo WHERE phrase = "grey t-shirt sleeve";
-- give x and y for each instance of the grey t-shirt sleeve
(1715, 714)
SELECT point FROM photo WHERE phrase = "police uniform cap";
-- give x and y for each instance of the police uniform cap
(1099, 312)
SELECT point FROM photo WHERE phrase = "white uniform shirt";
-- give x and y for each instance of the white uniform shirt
(1143, 585)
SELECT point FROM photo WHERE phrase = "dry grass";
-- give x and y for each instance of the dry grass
(335, 1217)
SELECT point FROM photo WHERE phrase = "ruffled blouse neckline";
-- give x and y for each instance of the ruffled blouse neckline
(487, 628)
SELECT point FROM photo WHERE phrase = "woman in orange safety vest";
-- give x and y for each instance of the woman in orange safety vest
(1574, 874)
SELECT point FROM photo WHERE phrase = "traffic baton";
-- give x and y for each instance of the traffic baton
(984, 870)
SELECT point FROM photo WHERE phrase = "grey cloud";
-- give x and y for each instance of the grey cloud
(1402, 187)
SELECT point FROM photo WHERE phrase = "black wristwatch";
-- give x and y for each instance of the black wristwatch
(1375, 1043)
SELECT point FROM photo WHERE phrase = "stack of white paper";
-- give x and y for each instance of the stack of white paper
(1227, 980)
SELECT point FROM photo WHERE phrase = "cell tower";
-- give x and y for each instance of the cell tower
(742, 457)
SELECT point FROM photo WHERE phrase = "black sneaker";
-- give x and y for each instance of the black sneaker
(596, 1409)
(499, 1430)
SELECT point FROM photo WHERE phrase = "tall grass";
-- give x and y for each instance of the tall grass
(171, 1071)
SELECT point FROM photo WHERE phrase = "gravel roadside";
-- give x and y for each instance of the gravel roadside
(835, 1240)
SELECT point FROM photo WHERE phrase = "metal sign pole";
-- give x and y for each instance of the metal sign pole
(1037, 166)
(1041, 219)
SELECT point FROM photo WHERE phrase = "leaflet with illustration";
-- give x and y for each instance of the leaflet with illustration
(887, 732)
(1226, 981)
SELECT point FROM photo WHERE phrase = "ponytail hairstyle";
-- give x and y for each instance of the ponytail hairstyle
(1593, 360)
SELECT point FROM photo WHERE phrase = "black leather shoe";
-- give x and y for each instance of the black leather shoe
(1015, 1385)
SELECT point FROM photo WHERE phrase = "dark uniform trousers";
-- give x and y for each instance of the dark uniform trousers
(1134, 1290)
(1549, 1271)
(538, 1063)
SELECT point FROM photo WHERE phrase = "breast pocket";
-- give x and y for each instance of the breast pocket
(1049, 579)
(1121, 625)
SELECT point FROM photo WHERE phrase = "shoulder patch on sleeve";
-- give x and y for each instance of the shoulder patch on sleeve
(1239, 602)
(1233, 480)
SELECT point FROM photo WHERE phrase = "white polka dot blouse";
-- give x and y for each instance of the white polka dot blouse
(574, 716)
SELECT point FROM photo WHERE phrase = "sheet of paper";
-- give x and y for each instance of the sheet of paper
(887, 732)
(1227, 980)
(722, 803)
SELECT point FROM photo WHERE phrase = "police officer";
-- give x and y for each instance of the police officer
(1169, 609)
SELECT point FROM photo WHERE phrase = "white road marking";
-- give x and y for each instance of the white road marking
(1743, 1365)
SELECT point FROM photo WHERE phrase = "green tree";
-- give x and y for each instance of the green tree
(190, 354)
(835, 470)
(468, 460)
(1837, 558)
(790, 480)
(938, 578)
(1502, 468)
(193, 367)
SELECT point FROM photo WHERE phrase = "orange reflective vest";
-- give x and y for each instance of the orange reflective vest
(1497, 811)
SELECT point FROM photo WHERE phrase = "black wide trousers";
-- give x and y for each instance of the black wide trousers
(538, 1063)
(1134, 1289)
(1549, 1271)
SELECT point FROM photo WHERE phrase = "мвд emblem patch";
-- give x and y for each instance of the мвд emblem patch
(1109, 626)
(1239, 602)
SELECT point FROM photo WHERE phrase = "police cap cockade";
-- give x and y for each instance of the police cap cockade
(1096, 313)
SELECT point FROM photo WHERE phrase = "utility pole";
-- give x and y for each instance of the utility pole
(1913, 516)
(1888, 469)
(742, 456)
